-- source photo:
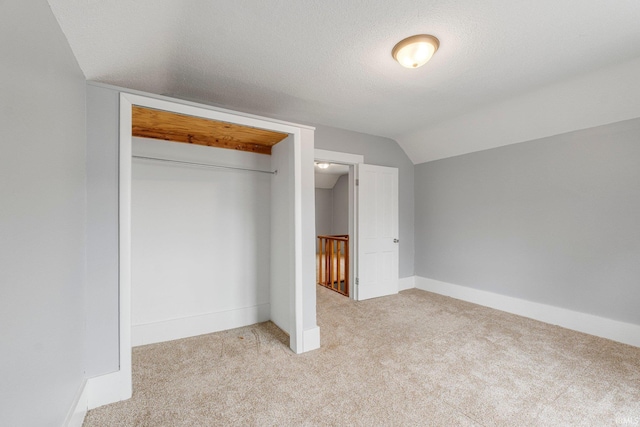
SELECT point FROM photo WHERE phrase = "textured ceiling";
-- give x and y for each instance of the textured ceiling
(329, 62)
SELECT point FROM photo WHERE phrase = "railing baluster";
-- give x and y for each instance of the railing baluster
(346, 266)
(338, 262)
(332, 273)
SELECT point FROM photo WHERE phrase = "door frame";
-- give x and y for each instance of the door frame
(127, 100)
(353, 160)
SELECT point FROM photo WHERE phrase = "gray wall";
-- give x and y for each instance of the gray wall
(307, 245)
(282, 231)
(554, 221)
(102, 335)
(340, 213)
(383, 152)
(42, 218)
(332, 208)
(324, 210)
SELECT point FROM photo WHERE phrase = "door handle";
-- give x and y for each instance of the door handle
(396, 240)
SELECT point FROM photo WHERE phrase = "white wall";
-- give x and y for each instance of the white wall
(200, 241)
(42, 218)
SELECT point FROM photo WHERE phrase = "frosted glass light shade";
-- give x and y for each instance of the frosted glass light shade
(415, 51)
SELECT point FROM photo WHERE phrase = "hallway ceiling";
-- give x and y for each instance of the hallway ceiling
(327, 178)
(329, 62)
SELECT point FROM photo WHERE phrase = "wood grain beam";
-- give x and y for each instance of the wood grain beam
(168, 126)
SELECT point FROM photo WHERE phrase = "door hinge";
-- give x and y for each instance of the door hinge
(357, 182)
(357, 281)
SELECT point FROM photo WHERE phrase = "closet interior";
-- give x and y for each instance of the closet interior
(201, 225)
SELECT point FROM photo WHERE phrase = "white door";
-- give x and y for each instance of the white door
(377, 231)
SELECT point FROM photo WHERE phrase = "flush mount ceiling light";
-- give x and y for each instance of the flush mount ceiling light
(415, 51)
(323, 165)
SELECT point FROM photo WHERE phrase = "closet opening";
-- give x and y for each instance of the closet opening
(200, 225)
(219, 189)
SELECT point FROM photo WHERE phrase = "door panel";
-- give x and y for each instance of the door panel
(377, 231)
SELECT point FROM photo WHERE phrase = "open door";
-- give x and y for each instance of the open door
(377, 231)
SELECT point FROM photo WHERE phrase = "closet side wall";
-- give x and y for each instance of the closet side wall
(101, 293)
(282, 238)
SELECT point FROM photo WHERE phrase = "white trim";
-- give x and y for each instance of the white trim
(191, 326)
(311, 339)
(296, 342)
(405, 283)
(108, 388)
(594, 325)
(78, 410)
(337, 157)
(353, 229)
(124, 257)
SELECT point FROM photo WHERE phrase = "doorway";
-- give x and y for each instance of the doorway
(342, 172)
(373, 225)
(333, 245)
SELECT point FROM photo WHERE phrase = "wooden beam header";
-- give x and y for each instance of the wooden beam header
(168, 126)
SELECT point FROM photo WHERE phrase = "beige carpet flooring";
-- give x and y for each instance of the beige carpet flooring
(412, 359)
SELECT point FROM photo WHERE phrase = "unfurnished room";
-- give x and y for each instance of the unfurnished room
(305, 213)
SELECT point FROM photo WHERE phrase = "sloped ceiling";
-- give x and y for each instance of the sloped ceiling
(327, 178)
(506, 71)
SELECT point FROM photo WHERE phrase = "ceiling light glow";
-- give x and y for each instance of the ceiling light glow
(415, 51)
(323, 165)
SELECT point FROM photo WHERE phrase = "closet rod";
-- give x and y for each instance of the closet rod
(204, 164)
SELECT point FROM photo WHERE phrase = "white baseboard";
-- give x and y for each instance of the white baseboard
(311, 339)
(106, 389)
(626, 333)
(78, 410)
(405, 283)
(184, 327)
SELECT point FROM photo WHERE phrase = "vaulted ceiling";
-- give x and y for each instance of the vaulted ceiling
(506, 71)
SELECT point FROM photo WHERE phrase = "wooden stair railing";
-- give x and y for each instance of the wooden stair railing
(333, 263)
